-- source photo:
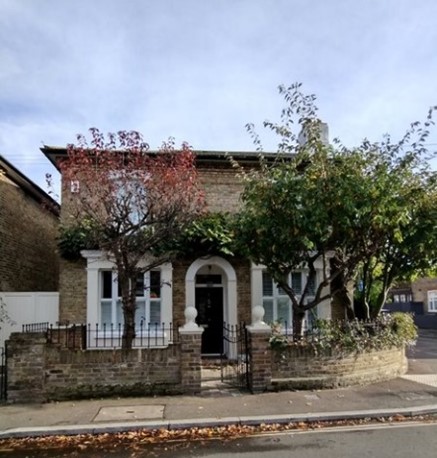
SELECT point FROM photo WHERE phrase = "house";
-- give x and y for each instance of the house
(29, 261)
(419, 297)
(222, 289)
(29, 220)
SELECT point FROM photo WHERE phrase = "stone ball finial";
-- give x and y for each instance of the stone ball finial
(258, 314)
(190, 315)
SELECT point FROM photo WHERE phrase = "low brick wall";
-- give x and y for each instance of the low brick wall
(302, 368)
(39, 371)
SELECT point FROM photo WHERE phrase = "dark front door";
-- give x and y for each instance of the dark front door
(209, 305)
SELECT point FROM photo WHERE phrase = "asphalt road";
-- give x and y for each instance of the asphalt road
(381, 441)
(387, 442)
(422, 358)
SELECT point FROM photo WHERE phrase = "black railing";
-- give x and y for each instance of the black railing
(332, 330)
(87, 336)
(234, 361)
(3, 374)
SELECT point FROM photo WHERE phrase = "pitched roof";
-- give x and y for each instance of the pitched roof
(28, 186)
(54, 153)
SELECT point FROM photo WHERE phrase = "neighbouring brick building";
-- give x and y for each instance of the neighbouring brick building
(29, 220)
(222, 289)
(418, 297)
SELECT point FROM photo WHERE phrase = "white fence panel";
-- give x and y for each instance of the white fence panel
(25, 308)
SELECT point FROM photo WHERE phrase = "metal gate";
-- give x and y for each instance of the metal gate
(235, 360)
(3, 373)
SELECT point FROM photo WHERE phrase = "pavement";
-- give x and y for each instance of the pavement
(218, 404)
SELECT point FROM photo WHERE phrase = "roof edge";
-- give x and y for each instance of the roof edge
(29, 186)
(53, 153)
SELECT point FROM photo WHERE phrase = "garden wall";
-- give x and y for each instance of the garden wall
(39, 371)
(304, 368)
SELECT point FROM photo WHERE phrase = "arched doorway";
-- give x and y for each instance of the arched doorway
(211, 287)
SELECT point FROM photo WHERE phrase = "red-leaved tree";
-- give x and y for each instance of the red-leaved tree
(132, 201)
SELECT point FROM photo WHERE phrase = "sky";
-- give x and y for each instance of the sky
(199, 70)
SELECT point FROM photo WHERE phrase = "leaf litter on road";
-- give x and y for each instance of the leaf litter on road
(136, 440)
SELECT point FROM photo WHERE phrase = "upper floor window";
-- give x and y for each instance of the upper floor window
(148, 298)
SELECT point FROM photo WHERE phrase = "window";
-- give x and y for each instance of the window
(277, 304)
(432, 301)
(148, 298)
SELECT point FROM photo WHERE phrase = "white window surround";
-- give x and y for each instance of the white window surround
(98, 261)
(323, 309)
(432, 301)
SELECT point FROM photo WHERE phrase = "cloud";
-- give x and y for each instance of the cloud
(201, 70)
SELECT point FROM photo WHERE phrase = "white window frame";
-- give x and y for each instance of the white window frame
(432, 301)
(115, 300)
(277, 296)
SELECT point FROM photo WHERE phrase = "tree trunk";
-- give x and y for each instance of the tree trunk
(128, 299)
(343, 298)
(298, 317)
(128, 334)
(382, 297)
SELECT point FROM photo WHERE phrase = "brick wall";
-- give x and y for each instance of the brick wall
(242, 270)
(222, 187)
(180, 267)
(38, 371)
(73, 291)
(28, 248)
(303, 368)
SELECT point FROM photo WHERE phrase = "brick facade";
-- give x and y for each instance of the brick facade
(420, 288)
(73, 291)
(29, 259)
(222, 187)
(222, 192)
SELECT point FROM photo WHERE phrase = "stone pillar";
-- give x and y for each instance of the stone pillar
(260, 374)
(190, 336)
(25, 367)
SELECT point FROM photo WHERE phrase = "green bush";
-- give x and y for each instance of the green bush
(404, 327)
(72, 240)
(344, 337)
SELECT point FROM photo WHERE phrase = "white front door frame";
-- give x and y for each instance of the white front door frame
(229, 286)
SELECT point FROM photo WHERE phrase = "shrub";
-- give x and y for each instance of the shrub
(404, 327)
(344, 337)
(72, 240)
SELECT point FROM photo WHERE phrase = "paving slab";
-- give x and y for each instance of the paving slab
(425, 379)
(130, 413)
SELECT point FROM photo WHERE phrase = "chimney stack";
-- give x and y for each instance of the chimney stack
(324, 134)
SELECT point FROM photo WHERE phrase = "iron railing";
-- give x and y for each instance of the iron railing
(101, 336)
(3, 374)
(235, 361)
(312, 333)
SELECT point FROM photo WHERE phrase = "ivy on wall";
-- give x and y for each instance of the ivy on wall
(211, 234)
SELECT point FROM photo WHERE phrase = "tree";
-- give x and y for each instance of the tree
(341, 207)
(130, 200)
(408, 234)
